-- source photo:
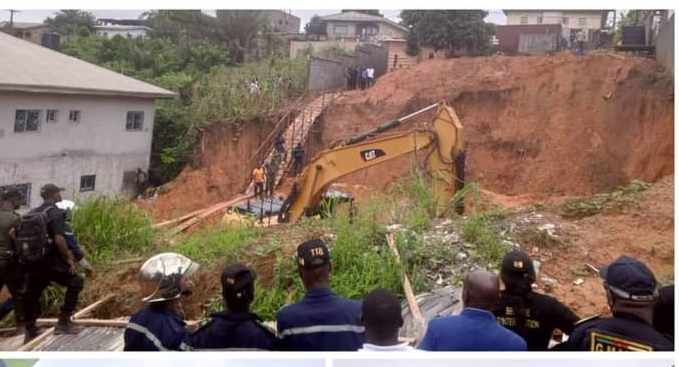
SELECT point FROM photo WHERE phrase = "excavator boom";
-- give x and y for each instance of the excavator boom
(443, 140)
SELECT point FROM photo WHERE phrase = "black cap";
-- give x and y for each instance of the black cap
(518, 262)
(630, 279)
(50, 189)
(312, 254)
(236, 277)
(11, 193)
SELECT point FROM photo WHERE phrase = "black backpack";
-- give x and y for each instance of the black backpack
(32, 237)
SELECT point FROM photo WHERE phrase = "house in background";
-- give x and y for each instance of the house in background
(127, 28)
(282, 22)
(353, 25)
(71, 123)
(38, 33)
(591, 22)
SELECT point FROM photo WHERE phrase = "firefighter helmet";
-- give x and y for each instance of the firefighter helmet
(164, 276)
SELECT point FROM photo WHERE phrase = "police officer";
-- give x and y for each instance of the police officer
(10, 201)
(69, 207)
(322, 320)
(236, 327)
(532, 315)
(663, 313)
(631, 292)
(158, 327)
(58, 266)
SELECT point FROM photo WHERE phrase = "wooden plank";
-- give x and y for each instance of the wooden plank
(47, 333)
(88, 322)
(127, 261)
(407, 288)
(209, 212)
(180, 219)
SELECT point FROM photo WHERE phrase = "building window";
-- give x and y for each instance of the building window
(26, 120)
(564, 20)
(135, 121)
(582, 22)
(74, 116)
(539, 20)
(24, 189)
(369, 31)
(52, 116)
(87, 183)
(524, 20)
(341, 29)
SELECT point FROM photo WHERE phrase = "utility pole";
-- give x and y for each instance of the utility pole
(11, 17)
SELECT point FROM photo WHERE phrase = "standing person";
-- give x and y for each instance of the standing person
(371, 76)
(531, 315)
(364, 79)
(236, 327)
(142, 182)
(163, 279)
(631, 292)
(10, 201)
(270, 178)
(475, 329)
(298, 159)
(322, 320)
(382, 320)
(46, 259)
(580, 38)
(663, 313)
(258, 176)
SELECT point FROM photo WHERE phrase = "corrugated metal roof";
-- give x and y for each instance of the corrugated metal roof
(91, 338)
(28, 67)
(22, 25)
(354, 16)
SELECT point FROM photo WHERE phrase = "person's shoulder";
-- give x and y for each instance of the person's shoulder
(290, 310)
(591, 321)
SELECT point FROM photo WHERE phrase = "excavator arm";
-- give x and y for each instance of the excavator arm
(443, 140)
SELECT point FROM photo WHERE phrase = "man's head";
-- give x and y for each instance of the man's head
(381, 316)
(313, 264)
(481, 290)
(238, 287)
(13, 197)
(630, 286)
(51, 193)
(517, 272)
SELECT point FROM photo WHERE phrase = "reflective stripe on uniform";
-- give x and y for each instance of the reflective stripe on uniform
(148, 334)
(321, 329)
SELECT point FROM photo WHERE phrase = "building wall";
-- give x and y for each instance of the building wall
(509, 35)
(284, 22)
(110, 33)
(664, 47)
(323, 74)
(330, 30)
(62, 152)
(390, 31)
(299, 48)
(592, 20)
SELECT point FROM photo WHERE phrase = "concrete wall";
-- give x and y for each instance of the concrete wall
(299, 48)
(375, 56)
(537, 43)
(592, 19)
(509, 35)
(62, 152)
(390, 31)
(664, 47)
(324, 74)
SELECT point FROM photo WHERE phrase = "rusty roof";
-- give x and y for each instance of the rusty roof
(91, 338)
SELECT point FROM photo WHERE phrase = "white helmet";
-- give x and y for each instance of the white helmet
(160, 278)
(67, 205)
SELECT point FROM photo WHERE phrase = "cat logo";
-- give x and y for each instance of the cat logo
(600, 342)
(370, 154)
(518, 264)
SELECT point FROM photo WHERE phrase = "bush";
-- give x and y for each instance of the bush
(110, 226)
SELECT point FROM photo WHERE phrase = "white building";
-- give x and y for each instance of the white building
(572, 21)
(126, 31)
(71, 123)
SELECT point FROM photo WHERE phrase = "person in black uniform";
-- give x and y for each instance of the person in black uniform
(236, 327)
(663, 313)
(631, 292)
(532, 315)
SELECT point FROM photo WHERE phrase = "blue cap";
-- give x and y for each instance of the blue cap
(630, 279)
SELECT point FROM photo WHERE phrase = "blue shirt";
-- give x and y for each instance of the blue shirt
(72, 243)
(471, 330)
(321, 321)
(233, 330)
(155, 329)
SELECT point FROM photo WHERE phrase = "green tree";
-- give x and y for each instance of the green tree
(186, 27)
(448, 29)
(239, 28)
(315, 27)
(72, 22)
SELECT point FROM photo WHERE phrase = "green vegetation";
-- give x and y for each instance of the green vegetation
(616, 200)
(480, 230)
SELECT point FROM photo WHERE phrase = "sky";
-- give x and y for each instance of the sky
(494, 16)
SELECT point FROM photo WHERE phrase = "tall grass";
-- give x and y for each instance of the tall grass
(421, 200)
(489, 248)
(220, 243)
(107, 227)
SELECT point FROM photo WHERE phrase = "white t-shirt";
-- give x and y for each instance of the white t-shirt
(404, 347)
(371, 72)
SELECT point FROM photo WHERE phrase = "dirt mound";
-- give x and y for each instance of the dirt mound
(219, 169)
(644, 230)
(536, 126)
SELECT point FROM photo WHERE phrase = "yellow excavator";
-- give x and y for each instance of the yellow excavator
(442, 140)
